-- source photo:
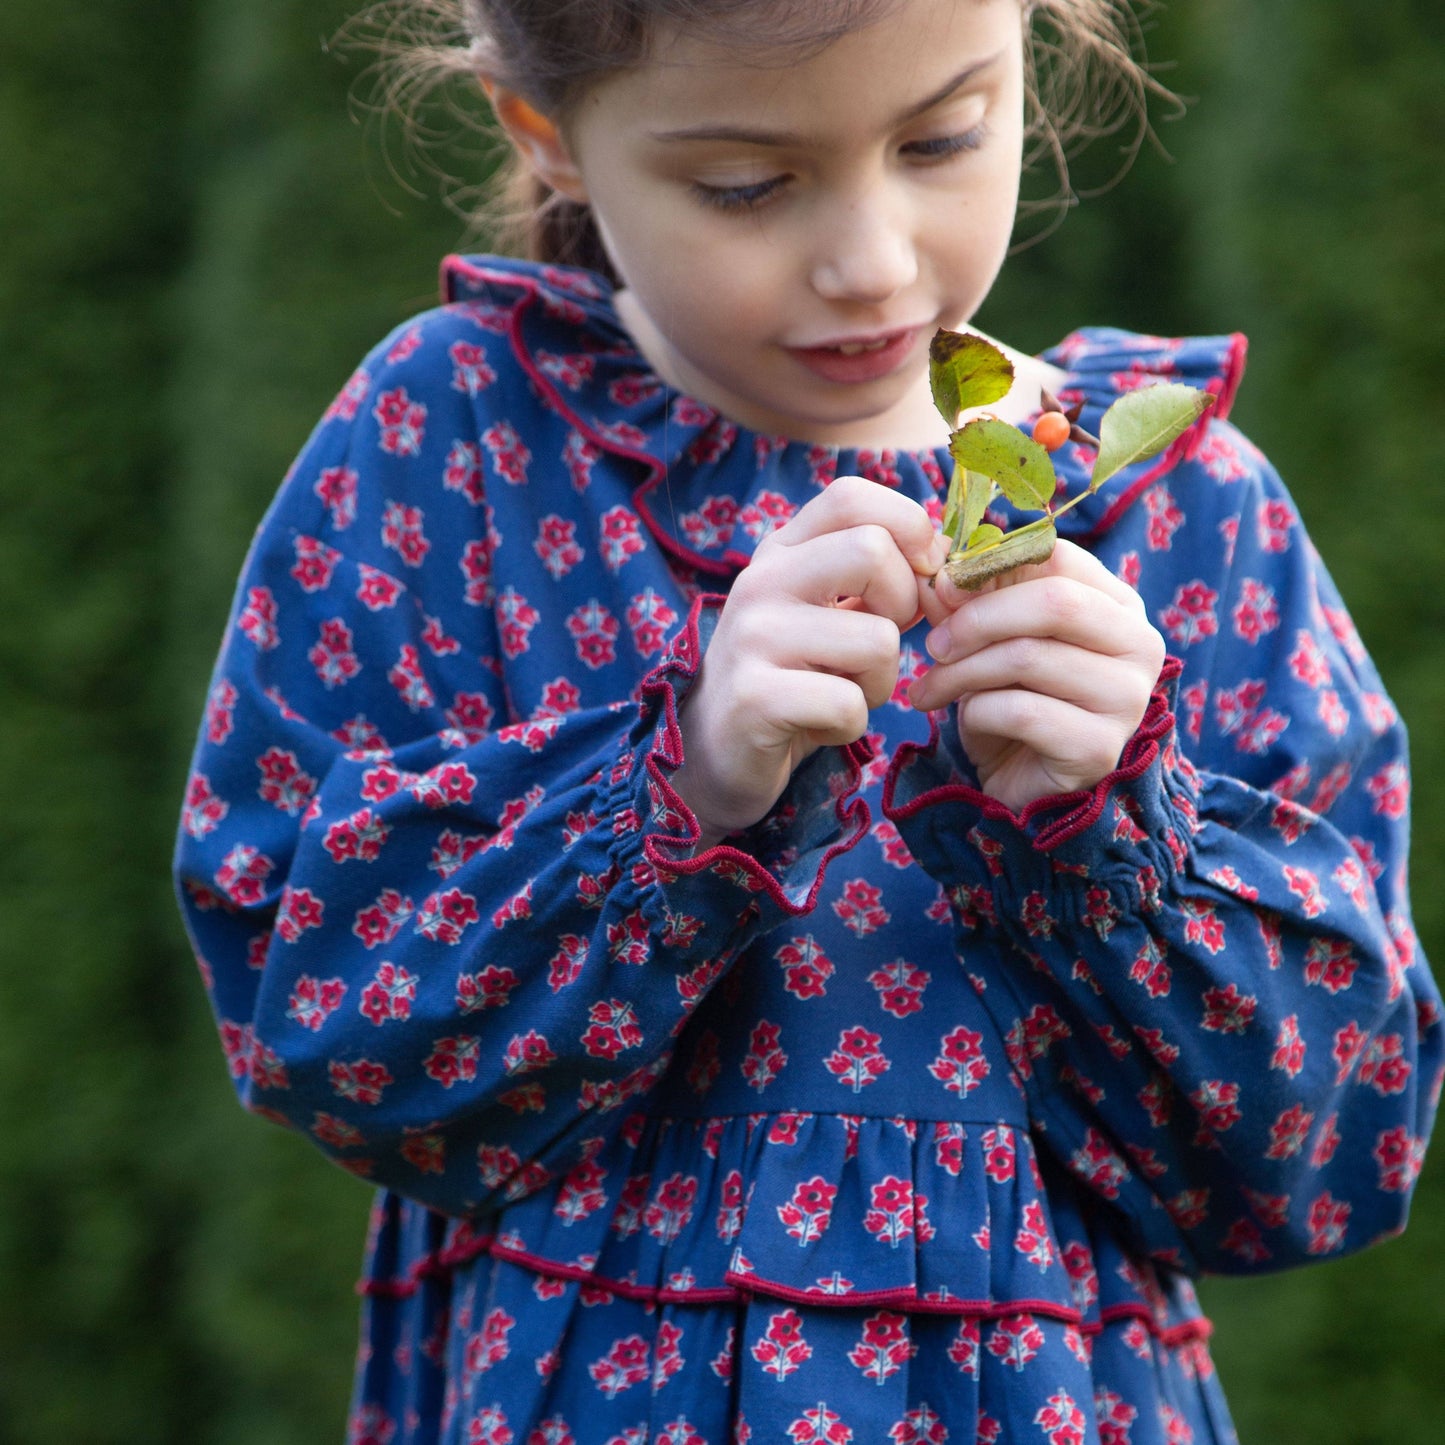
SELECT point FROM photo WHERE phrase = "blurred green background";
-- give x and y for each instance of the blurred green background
(199, 236)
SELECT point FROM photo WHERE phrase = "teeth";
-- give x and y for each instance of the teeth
(857, 348)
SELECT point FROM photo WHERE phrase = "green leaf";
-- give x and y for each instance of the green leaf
(1141, 423)
(978, 492)
(971, 569)
(966, 371)
(1019, 465)
(984, 535)
(953, 507)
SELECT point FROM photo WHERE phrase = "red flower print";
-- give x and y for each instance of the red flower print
(1033, 1239)
(963, 1348)
(1289, 1047)
(806, 968)
(407, 678)
(885, 1347)
(859, 907)
(581, 1193)
(556, 545)
(857, 1061)
(243, 873)
(764, 1059)
(896, 1212)
(314, 564)
(470, 372)
(960, 1066)
(1191, 617)
(402, 422)
(1329, 963)
(1326, 1222)
(819, 1426)
(490, 988)
(362, 1081)
(623, 1366)
(351, 396)
(453, 1060)
(1015, 1340)
(204, 811)
(1061, 1420)
(900, 987)
(314, 1000)
(332, 656)
(1150, 969)
(509, 455)
(389, 995)
(1383, 1065)
(1216, 1101)
(443, 917)
(1228, 1011)
(526, 1052)
(806, 1215)
(671, 1207)
(257, 620)
(782, 1349)
(489, 1345)
(1400, 1156)
(612, 1027)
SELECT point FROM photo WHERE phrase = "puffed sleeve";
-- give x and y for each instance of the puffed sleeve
(445, 941)
(1209, 983)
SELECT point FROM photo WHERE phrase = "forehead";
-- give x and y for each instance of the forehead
(903, 51)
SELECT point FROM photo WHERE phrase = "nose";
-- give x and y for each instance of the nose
(864, 253)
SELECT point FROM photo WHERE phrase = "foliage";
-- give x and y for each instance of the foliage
(198, 246)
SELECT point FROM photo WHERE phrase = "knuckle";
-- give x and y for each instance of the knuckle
(1064, 600)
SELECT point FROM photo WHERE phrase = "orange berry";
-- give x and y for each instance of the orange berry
(1051, 430)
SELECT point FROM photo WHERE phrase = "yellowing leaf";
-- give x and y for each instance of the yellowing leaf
(966, 371)
(971, 569)
(1019, 465)
(1144, 422)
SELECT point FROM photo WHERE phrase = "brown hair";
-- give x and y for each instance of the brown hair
(1085, 75)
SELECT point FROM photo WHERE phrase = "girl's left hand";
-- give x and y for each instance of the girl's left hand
(1052, 668)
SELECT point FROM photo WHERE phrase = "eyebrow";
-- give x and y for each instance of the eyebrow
(755, 135)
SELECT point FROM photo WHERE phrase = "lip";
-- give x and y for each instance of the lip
(885, 352)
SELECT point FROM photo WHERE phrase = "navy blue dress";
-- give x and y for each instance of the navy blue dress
(896, 1117)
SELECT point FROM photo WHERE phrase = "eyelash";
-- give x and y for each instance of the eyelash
(749, 197)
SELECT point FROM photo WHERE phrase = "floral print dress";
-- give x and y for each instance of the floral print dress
(895, 1118)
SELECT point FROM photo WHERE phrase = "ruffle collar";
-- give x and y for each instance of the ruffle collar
(710, 490)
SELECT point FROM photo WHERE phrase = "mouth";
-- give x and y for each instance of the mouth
(855, 359)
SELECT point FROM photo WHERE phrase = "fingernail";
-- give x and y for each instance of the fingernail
(939, 644)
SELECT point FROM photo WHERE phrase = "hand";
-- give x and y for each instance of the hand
(1052, 668)
(807, 643)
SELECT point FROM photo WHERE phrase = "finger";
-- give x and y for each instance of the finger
(1045, 606)
(1074, 746)
(854, 502)
(1110, 686)
(862, 562)
(851, 644)
(827, 709)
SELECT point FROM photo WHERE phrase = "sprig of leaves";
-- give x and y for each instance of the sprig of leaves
(991, 457)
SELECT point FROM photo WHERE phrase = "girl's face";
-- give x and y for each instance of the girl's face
(790, 236)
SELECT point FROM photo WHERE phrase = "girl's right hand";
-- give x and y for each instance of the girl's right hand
(807, 643)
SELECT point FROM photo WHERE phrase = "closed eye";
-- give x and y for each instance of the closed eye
(941, 147)
(737, 198)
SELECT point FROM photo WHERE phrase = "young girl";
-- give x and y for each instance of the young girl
(782, 999)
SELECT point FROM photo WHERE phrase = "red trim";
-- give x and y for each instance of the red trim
(656, 470)
(658, 686)
(740, 1288)
(1077, 811)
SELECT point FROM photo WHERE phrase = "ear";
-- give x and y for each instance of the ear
(538, 140)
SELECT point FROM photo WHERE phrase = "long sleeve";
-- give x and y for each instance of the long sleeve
(1211, 990)
(443, 937)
